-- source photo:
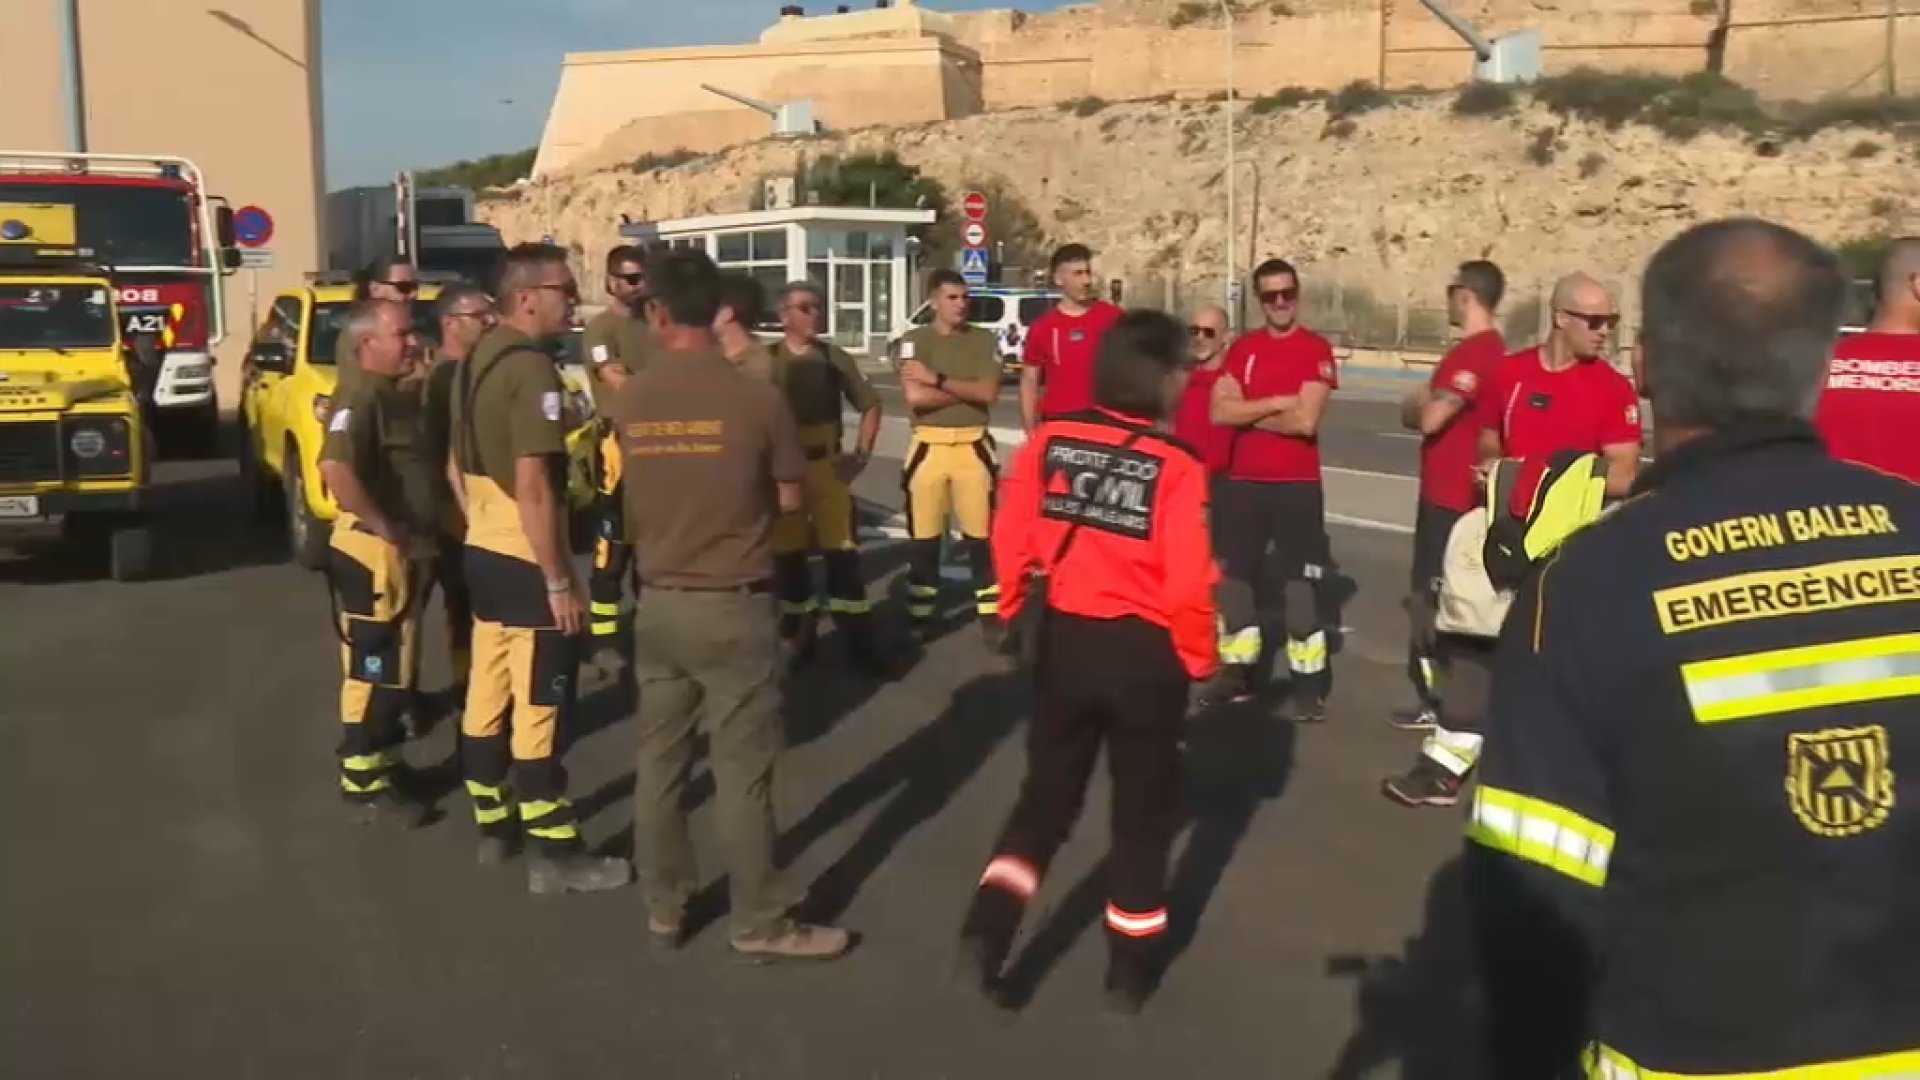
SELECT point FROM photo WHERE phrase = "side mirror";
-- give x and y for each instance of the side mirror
(223, 227)
(230, 258)
(273, 356)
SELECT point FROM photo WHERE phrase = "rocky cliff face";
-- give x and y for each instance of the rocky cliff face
(1386, 210)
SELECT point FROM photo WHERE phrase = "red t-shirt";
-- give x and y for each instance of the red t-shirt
(1193, 421)
(1539, 413)
(1870, 410)
(1447, 458)
(1267, 365)
(1064, 345)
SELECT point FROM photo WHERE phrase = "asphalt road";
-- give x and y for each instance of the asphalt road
(184, 898)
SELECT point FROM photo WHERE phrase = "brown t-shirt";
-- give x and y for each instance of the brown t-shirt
(376, 430)
(756, 360)
(704, 444)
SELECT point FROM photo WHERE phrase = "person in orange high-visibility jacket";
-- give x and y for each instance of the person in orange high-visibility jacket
(1107, 575)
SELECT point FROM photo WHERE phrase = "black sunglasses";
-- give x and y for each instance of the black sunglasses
(404, 288)
(1594, 322)
(1203, 331)
(632, 279)
(1274, 296)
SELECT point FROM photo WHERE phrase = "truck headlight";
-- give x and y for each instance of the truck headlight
(98, 446)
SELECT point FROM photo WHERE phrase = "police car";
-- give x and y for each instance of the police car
(1009, 313)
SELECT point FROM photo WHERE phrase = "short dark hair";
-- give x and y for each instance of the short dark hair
(741, 294)
(626, 253)
(379, 269)
(685, 284)
(454, 295)
(1274, 268)
(524, 262)
(1740, 317)
(942, 278)
(1136, 354)
(1069, 253)
(1484, 280)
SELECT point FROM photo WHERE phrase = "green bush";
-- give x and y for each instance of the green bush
(1682, 107)
(1357, 97)
(1479, 98)
(495, 171)
(1188, 13)
(1083, 107)
(1544, 146)
(1286, 97)
(672, 159)
(1900, 115)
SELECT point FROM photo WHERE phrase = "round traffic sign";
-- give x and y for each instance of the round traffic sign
(252, 226)
(975, 234)
(975, 206)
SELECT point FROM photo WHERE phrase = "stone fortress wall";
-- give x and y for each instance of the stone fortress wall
(906, 63)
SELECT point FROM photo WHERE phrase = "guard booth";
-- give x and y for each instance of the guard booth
(860, 258)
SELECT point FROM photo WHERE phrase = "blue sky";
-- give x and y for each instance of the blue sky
(418, 83)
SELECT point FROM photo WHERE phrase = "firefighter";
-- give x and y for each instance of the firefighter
(465, 313)
(1056, 374)
(616, 343)
(1870, 412)
(1692, 846)
(1560, 396)
(817, 377)
(1100, 541)
(1272, 395)
(950, 376)
(392, 278)
(1442, 413)
(742, 304)
(383, 549)
(509, 469)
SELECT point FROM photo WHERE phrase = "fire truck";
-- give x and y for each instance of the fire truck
(166, 242)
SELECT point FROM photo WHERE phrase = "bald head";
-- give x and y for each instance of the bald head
(1583, 316)
(1900, 284)
(1579, 292)
(1741, 319)
(1207, 332)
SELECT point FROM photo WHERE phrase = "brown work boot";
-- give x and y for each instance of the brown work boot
(787, 940)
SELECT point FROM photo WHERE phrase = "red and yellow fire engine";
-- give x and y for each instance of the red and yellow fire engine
(166, 243)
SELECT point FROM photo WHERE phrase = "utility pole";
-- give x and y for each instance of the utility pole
(1226, 247)
(69, 16)
(1893, 33)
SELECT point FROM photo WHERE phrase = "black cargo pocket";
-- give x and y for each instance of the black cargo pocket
(373, 651)
(352, 582)
(556, 660)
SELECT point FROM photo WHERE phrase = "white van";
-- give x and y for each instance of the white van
(1009, 313)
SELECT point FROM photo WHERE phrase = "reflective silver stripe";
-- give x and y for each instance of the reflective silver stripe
(1707, 692)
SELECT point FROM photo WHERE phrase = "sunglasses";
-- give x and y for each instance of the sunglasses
(632, 279)
(1594, 322)
(1203, 331)
(404, 288)
(1277, 296)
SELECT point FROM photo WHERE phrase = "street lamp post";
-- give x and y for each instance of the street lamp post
(69, 16)
(1226, 246)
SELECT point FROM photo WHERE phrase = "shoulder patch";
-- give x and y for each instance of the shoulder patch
(1633, 414)
(1464, 381)
(550, 405)
(906, 350)
(1099, 486)
(340, 421)
(600, 354)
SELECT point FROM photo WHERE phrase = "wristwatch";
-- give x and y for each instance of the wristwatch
(939, 380)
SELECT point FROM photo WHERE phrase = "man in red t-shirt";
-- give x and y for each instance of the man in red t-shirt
(1061, 344)
(1193, 417)
(1442, 412)
(1560, 395)
(1870, 411)
(1270, 397)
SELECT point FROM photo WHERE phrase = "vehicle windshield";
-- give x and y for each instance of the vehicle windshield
(35, 317)
(125, 225)
(330, 319)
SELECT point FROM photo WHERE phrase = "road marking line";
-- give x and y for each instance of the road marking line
(1396, 434)
(1342, 471)
(1369, 523)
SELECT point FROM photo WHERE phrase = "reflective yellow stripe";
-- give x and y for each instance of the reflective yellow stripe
(477, 790)
(603, 629)
(1811, 677)
(1241, 648)
(1540, 832)
(611, 611)
(366, 762)
(848, 607)
(987, 607)
(1570, 502)
(1606, 1063)
(490, 815)
(1308, 656)
(353, 787)
(923, 592)
(533, 811)
(1454, 751)
(799, 607)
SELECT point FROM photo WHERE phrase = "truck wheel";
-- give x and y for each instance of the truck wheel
(306, 537)
(130, 553)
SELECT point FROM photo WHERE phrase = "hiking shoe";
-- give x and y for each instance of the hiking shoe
(1304, 710)
(1425, 718)
(1426, 784)
(390, 809)
(1126, 992)
(548, 876)
(791, 941)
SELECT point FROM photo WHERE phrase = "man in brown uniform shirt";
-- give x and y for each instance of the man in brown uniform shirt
(615, 344)
(715, 451)
(742, 302)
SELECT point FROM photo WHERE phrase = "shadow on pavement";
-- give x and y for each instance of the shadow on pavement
(1418, 1009)
(1238, 758)
(922, 773)
(198, 529)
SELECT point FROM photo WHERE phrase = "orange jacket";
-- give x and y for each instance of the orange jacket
(1141, 547)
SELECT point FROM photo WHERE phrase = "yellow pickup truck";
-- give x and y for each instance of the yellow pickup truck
(74, 452)
(287, 385)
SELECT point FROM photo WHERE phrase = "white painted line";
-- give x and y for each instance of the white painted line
(1369, 523)
(1339, 471)
(1396, 434)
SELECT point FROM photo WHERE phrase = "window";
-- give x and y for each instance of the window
(1032, 307)
(329, 320)
(880, 298)
(37, 317)
(987, 310)
(282, 325)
